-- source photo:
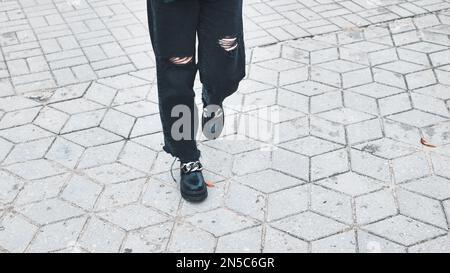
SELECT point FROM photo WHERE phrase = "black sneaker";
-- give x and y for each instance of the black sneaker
(213, 121)
(192, 184)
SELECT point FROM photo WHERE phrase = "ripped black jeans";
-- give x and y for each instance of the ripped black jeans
(174, 27)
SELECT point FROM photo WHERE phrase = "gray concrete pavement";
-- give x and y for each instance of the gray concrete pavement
(343, 92)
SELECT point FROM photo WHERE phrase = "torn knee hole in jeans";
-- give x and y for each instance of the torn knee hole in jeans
(228, 43)
(181, 60)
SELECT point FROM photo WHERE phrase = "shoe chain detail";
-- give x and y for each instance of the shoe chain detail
(191, 167)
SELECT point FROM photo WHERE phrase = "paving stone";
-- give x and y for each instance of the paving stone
(120, 194)
(404, 230)
(149, 240)
(440, 164)
(137, 156)
(57, 236)
(220, 221)
(375, 206)
(65, 152)
(291, 163)
(84, 120)
(42, 189)
(35, 169)
(370, 165)
(280, 242)
(161, 196)
(410, 167)
(245, 241)
(99, 155)
(309, 226)
(268, 181)
(49, 211)
(246, 201)
(92, 137)
(133, 217)
(250, 162)
(422, 208)
(350, 88)
(364, 131)
(329, 164)
(331, 204)
(28, 150)
(438, 245)
(340, 243)
(187, 238)
(113, 173)
(369, 243)
(82, 192)
(310, 146)
(16, 233)
(101, 237)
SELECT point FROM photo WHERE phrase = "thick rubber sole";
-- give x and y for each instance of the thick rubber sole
(194, 198)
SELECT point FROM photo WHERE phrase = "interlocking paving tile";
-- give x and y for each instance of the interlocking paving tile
(404, 230)
(438, 245)
(281, 242)
(422, 208)
(343, 242)
(331, 204)
(151, 239)
(369, 243)
(16, 232)
(268, 181)
(375, 206)
(309, 226)
(113, 173)
(187, 238)
(432, 186)
(57, 236)
(287, 202)
(354, 88)
(133, 217)
(49, 211)
(248, 240)
(220, 221)
(99, 236)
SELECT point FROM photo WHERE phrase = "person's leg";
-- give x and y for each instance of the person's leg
(173, 33)
(221, 49)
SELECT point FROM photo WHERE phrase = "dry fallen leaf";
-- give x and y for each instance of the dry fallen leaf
(210, 184)
(425, 143)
